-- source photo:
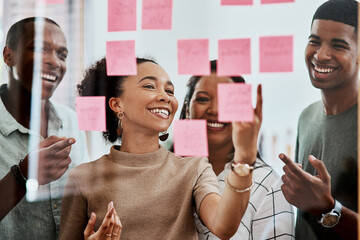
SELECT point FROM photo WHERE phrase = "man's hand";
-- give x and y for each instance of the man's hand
(53, 159)
(305, 191)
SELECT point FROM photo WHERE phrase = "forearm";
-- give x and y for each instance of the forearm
(232, 207)
(347, 226)
(11, 194)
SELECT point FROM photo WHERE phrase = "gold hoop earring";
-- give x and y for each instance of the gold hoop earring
(120, 116)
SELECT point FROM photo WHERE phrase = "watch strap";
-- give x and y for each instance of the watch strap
(337, 207)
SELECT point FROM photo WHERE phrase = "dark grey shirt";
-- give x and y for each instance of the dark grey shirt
(332, 139)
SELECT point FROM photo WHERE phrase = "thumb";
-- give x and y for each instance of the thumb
(320, 168)
(90, 226)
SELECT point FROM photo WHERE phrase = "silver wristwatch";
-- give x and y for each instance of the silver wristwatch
(331, 218)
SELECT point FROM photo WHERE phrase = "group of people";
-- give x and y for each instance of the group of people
(140, 190)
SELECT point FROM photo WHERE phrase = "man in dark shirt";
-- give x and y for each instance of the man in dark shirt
(325, 192)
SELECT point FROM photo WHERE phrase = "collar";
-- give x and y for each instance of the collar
(8, 123)
(138, 160)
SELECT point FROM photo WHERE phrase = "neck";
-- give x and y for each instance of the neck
(218, 156)
(338, 101)
(139, 143)
(17, 101)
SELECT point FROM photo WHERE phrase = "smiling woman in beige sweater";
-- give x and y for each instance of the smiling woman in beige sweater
(155, 193)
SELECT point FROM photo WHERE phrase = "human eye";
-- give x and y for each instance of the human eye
(170, 91)
(45, 49)
(62, 55)
(340, 46)
(202, 99)
(314, 42)
(149, 86)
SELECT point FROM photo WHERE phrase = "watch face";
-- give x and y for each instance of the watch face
(242, 169)
(330, 220)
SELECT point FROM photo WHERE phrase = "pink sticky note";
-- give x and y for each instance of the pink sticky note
(234, 57)
(156, 14)
(276, 1)
(50, 1)
(91, 113)
(121, 15)
(236, 2)
(193, 57)
(190, 138)
(234, 102)
(276, 54)
(120, 58)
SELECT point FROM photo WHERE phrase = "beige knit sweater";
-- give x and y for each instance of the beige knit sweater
(155, 194)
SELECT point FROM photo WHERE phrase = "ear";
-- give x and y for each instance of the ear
(115, 105)
(9, 56)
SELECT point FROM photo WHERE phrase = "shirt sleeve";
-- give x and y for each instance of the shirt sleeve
(74, 211)
(206, 182)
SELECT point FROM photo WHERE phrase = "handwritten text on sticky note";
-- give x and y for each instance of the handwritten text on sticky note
(276, 54)
(157, 14)
(120, 58)
(234, 57)
(121, 15)
(193, 57)
(236, 2)
(234, 102)
(91, 113)
(190, 138)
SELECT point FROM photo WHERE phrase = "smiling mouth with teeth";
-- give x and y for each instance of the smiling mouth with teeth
(215, 125)
(162, 112)
(48, 77)
(323, 70)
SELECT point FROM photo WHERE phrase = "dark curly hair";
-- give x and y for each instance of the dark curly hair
(191, 87)
(96, 82)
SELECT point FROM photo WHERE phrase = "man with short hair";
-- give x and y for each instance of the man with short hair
(58, 130)
(325, 191)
